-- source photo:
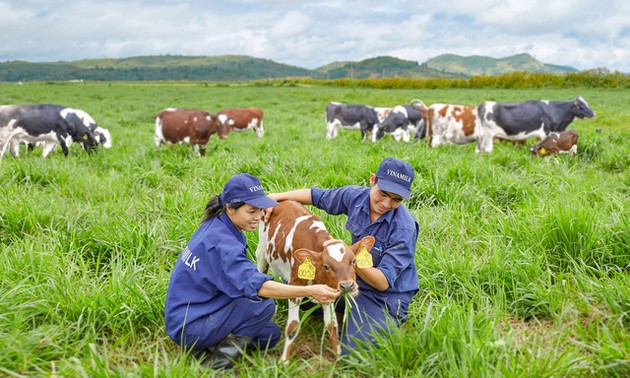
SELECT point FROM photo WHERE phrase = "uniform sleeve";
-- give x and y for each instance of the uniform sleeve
(399, 252)
(333, 201)
(240, 278)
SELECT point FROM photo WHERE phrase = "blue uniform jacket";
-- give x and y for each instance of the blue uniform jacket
(212, 270)
(396, 233)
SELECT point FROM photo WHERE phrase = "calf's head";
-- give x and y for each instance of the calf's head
(333, 266)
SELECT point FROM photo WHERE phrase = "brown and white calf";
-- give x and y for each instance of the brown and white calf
(557, 143)
(292, 243)
(242, 119)
(452, 123)
(177, 125)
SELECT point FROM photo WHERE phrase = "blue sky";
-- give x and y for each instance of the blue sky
(584, 34)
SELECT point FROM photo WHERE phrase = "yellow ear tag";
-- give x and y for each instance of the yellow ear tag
(306, 270)
(85, 137)
(542, 150)
(364, 259)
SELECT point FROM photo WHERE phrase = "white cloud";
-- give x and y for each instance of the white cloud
(291, 24)
(580, 33)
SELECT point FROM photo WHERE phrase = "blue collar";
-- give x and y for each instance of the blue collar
(239, 235)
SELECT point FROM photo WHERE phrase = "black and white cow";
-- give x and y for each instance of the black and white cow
(350, 117)
(401, 122)
(530, 119)
(102, 135)
(47, 124)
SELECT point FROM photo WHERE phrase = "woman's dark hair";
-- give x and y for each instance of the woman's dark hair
(215, 207)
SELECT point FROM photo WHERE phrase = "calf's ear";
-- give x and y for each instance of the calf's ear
(367, 242)
(302, 253)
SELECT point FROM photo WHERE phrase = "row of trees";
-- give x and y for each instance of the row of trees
(597, 78)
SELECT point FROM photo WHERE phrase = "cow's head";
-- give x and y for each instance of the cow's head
(78, 127)
(103, 137)
(581, 109)
(224, 125)
(335, 265)
(378, 132)
(86, 138)
(223, 128)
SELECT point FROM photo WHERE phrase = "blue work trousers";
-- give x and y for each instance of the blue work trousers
(241, 317)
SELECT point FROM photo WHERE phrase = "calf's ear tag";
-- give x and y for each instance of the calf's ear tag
(364, 259)
(306, 270)
(85, 137)
(542, 150)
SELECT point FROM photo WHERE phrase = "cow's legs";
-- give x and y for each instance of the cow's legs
(3, 147)
(64, 145)
(484, 144)
(406, 137)
(14, 148)
(159, 136)
(330, 321)
(331, 130)
(293, 327)
(48, 148)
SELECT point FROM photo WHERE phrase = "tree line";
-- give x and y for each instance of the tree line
(596, 78)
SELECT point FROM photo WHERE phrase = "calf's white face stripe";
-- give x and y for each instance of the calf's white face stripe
(336, 251)
(319, 225)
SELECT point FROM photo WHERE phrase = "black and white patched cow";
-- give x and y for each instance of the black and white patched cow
(530, 119)
(350, 117)
(402, 121)
(50, 125)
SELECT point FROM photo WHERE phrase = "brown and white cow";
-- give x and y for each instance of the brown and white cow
(243, 119)
(452, 123)
(177, 125)
(557, 143)
(295, 244)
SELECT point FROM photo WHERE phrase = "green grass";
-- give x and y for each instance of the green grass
(523, 262)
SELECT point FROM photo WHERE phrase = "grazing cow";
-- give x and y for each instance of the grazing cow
(44, 123)
(529, 119)
(451, 123)
(296, 246)
(176, 125)
(557, 143)
(102, 135)
(402, 121)
(350, 117)
(242, 119)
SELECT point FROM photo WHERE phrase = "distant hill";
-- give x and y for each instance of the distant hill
(381, 67)
(487, 66)
(148, 68)
(241, 68)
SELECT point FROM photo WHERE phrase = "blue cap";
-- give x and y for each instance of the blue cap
(246, 188)
(395, 176)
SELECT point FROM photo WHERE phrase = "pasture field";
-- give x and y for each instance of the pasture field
(523, 262)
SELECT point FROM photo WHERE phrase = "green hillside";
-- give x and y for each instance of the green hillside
(382, 67)
(149, 68)
(241, 68)
(487, 66)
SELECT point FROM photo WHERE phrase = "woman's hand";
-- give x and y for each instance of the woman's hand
(267, 214)
(324, 294)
